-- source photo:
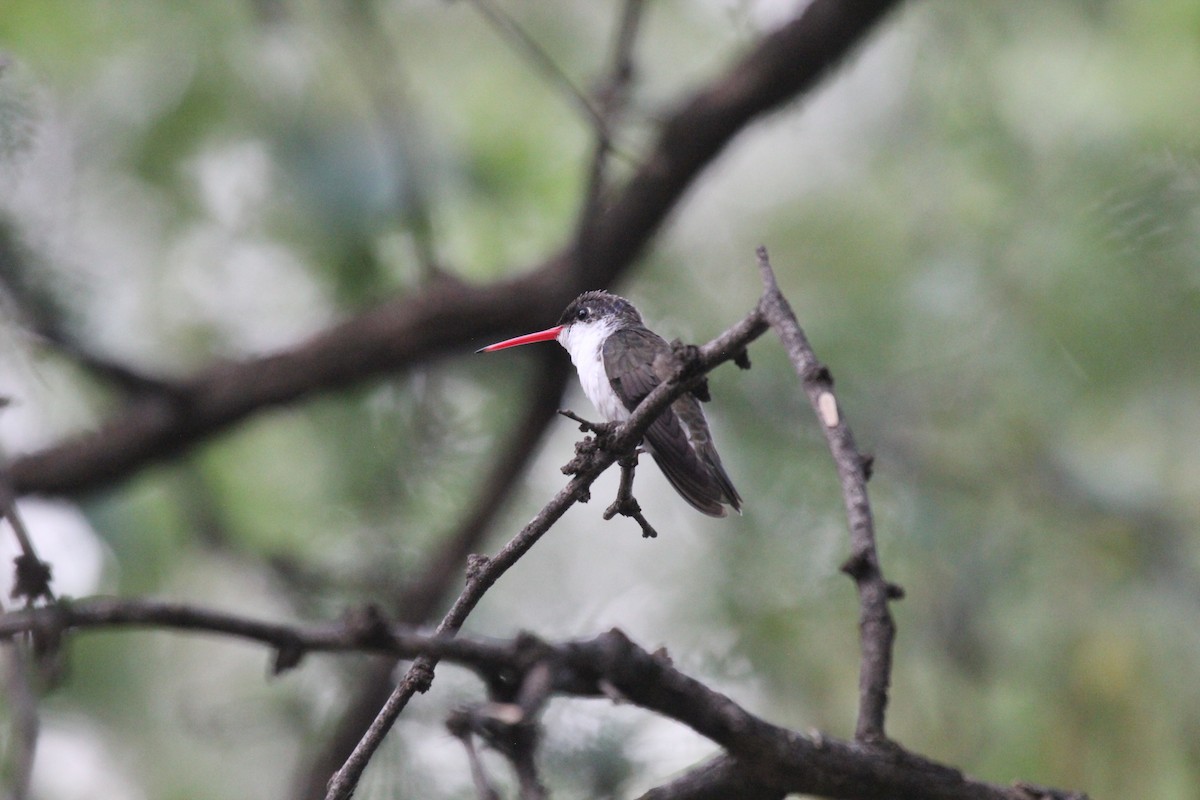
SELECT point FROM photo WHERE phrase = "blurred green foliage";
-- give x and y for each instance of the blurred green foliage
(988, 222)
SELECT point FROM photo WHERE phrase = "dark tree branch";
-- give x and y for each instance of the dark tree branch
(782, 759)
(876, 628)
(447, 316)
(443, 315)
(716, 779)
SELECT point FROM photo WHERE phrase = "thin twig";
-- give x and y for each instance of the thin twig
(536, 690)
(529, 783)
(32, 574)
(509, 721)
(536, 55)
(22, 702)
(511, 728)
(876, 628)
(600, 429)
(625, 504)
(613, 96)
(460, 728)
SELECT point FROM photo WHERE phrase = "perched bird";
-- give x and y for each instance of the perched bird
(620, 361)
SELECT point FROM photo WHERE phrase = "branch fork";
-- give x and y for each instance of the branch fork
(625, 504)
(602, 440)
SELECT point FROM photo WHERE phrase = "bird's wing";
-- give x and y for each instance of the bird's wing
(633, 360)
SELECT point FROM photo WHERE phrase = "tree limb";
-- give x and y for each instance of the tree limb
(448, 316)
(779, 758)
(876, 628)
(716, 779)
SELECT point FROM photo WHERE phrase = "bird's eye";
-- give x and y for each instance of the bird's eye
(582, 314)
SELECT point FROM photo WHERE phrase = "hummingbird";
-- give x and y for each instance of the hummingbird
(620, 361)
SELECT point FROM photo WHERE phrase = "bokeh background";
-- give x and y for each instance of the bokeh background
(988, 223)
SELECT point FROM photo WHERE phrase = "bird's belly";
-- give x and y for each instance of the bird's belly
(599, 391)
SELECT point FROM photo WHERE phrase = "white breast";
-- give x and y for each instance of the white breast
(584, 341)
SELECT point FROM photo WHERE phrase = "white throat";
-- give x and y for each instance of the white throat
(585, 342)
